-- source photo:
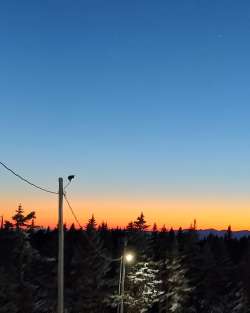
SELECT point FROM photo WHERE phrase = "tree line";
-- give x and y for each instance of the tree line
(172, 271)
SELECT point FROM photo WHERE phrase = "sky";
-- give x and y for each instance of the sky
(146, 102)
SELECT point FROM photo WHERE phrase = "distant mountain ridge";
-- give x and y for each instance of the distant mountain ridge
(221, 233)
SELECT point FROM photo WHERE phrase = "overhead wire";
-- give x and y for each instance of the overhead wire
(26, 180)
(67, 185)
(87, 237)
(72, 211)
(69, 205)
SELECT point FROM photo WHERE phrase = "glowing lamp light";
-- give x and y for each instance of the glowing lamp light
(129, 257)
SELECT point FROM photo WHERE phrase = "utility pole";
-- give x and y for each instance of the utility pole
(123, 273)
(60, 250)
(120, 308)
(120, 283)
(122, 286)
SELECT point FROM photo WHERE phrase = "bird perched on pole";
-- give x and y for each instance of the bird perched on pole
(70, 177)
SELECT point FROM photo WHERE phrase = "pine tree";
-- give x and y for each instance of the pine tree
(8, 292)
(234, 300)
(8, 225)
(88, 283)
(163, 229)
(91, 225)
(228, 235)
(103, 227)
(155, 228)
(140, 223)
(171, 239)
(20, 290)
(72, 227)
(42, 275)
(130, 226)
(142, 287)
(177, 289)
(153, 245)
(20, 220)
(218, 289)
(244, 273)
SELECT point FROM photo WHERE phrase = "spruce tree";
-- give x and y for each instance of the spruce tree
(89, 283)
(140, 224)
(21, 220)
(91, 225)
(142, 287)
(177, 288)
(130, 227)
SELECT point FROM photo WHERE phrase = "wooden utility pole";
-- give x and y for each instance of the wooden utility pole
(60, 250)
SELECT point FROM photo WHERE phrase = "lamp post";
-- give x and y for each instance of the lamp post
(127, 257)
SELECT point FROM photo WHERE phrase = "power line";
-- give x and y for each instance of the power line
(26, 180)
(90, 242)
(72, 211)
(70, 207)
(66, 186)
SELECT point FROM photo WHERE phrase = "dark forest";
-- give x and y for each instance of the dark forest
(172, 271)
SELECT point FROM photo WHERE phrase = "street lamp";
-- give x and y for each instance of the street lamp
(127, 257)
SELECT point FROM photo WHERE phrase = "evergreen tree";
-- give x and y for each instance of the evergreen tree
(20, 289)
(8, 292)
(177, 289)
(8, 225)
(91, 225)
(228, 235)
(72, 227)
(163, 229)
(155, 228)
(171, 239)
(234, 300)
(143, 287)
(244, 273)
(153, 245)
(20, 220)
(89, 284)
(103, 227)
(130, 226)
(140, 223)
(187, 274)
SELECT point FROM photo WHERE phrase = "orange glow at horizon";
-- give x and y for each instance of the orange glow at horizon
(215, 213)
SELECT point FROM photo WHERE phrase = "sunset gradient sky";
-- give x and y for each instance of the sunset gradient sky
(146, 102)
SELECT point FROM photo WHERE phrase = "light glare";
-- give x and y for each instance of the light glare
(129, 257)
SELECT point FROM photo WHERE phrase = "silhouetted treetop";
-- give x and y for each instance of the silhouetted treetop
(140, 223)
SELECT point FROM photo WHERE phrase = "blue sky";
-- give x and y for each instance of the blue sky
(146, 98)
